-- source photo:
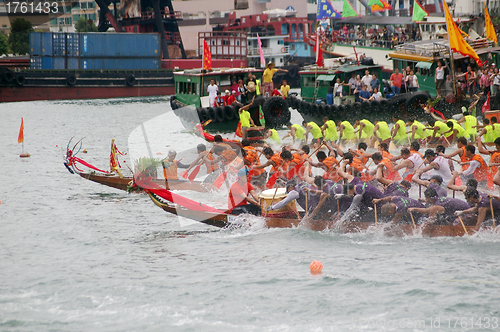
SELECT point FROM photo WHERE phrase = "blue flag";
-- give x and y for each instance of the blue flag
(325, 10)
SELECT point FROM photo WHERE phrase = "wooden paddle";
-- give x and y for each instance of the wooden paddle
(338, 210)
(492, 213)
(413, 221)
(462, 222)
(376, 217)
(272, 201)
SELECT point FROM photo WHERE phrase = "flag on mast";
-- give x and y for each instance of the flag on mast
(262, 60)
(348, 10)
(490, 29)
(20, 138)
(457, 41)
(325, 11)
(207, 56)
(418, 12)
(377, 8)
(318, 50)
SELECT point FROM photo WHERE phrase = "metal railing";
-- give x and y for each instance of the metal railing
(268, 51)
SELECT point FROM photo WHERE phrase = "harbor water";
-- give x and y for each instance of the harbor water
(79, 256)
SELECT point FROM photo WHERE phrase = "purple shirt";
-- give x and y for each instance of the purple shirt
(333, 188)
(369, 192)
(395, 189)
(485, 203)
(451, 205)
(403, 203)
(442, 192)
(312, 199)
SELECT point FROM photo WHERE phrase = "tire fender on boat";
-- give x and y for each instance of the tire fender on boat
(130, 80)
(8, 76)
(276, 112)
(228, 113)
(20, 79)
(71, 80)
(211, 114)
(219, 114)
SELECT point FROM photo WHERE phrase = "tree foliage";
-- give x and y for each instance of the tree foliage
(4, 46)
(19, 38)
(84, 25)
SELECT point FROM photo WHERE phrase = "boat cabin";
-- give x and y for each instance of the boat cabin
(423, 56)
(317, 83)
(191, 85)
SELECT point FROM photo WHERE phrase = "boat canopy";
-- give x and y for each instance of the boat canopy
(350, 69)
(424, 65)
(328, 78)
(378, 20)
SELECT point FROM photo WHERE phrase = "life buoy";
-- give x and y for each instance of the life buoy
(71, 80)
(276, 112)
(283, 49)
(219, 114)
(20, 79)
(130, 80)
(228, 113)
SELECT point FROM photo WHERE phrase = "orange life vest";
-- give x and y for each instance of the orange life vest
(253, 158)
(278, 161)
(463, 158)
(389, 172)
(170, 170)
(480, 173)
(495, 158)
(332, 173)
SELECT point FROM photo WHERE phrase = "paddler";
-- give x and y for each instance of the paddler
(228, 157)
(436, 164)
(315, 130)
(477, 166)
(296, 132)
(329, 130)
(391, 187)
(272, 134)
(299, 191)
(435, 183)
(206, 157)
(382, 132)
(346, 131)
(482, 205)
(412, 161)
(251, 159)
(170, 166)
(460, 151)
(387, 167)
(245, 120)
(494, 159)
(398, 134)
(442, 210)
(470, 125)
(418, 132)
(329, 164)
(366, 128)
(455, 131)
(242, 197)
(273, 159)
(397, 208)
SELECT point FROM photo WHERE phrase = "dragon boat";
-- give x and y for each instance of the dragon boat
(180, 206)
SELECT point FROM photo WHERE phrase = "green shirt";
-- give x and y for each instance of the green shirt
(315, 130)
(469, 122)
(368, 128)
(245, 119)
(401, 134)
(419, 133)
(348, 132)
(383, 131)
(299, 132)
(274, 136)
(331, 131)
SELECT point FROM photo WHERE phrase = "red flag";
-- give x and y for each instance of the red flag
(319, 51)
(272, 180)
(486, 105)
(238, 132)
(195, 172)
(207, 56)
(20, 138)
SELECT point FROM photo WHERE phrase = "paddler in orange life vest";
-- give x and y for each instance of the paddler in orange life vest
(273, 159)
(251, 159)
(477, 167)
(494, 159)
(228, 157)
(206, 157)
(388, 169)
(329, 165)
(242, 197)
(170, 166)
(461, 144)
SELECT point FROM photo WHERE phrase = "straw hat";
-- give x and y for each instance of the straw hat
(270, 64)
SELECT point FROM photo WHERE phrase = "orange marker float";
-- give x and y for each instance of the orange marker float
(316, 267)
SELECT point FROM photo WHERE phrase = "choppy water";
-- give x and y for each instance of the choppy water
(78, 256)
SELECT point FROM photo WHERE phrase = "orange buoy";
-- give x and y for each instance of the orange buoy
(85, 151)
(24, 155)
(158, 153)
(316, 267)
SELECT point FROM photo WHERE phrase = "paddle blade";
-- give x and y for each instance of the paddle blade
(392, 147)
(294, 170)
(184, 174)
(193, 174)
(377, 143)
(409, 177)
(489, 182)
(272, 180)
(220, 180)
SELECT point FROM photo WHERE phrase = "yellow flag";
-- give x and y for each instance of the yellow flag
(490, 30)
(457, 42)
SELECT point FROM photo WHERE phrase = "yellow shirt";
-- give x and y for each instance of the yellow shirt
(315, 130)
(268, 75)
(348, 132)
(274, 136)
(383, 131)
(257, 87)
(299, 132)
(285, 89)
(245, 119)
(331, 131)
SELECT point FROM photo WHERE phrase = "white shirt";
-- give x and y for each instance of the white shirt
(496, 79)
(472, 167)
(338, 87)
(416, 161)
(440, 73)
(352, 82)
(367, 79)
(212, 91)
(377, 96)
(443, 170)
(414, 82)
